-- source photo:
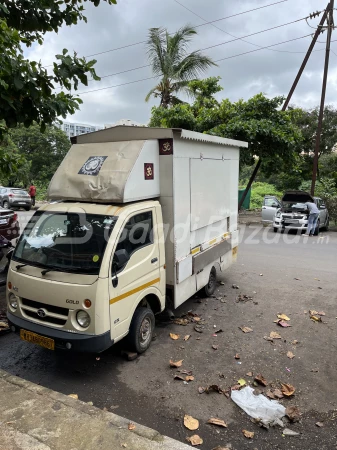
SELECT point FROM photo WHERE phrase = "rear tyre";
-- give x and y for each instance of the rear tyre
(141, 330)
(210, 287)
(326, 226)
(6, 204)
(28, 208)
(275, 230)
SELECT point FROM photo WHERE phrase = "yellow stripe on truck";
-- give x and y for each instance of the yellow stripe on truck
(134, 291)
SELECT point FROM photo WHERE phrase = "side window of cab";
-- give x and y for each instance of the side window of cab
(137, 233)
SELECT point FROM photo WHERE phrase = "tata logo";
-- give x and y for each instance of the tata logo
(41, 313)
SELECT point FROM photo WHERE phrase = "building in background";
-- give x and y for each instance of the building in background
(75, 129)
(125, 122)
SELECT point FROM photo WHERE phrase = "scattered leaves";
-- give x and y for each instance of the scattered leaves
(316, 318)
(219, 422)
(195, 440)
(320, 424)
(283, 324)
(274, 335)
(179, 377)
(274, 394)
(189, 378)
(287, 389)
(186, 338)
(131, 426)
(75, 396)
(290, 355)
(191, 423)
(293, 413)
(176, 364)
(246, 329)
(242, 382)
(215, 347)
(321, 313)
(201, 389)
(261, 380)
(215, 388)
(237, 356)
(248, 434)
(199, 328)
(283, 317)
(249, 374)
(175, 337)
(294, 342)
(179, 321)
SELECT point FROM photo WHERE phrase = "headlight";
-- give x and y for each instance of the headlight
(83, 319)
(13, 301)
(278, 214)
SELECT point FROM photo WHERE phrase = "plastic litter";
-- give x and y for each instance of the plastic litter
(258, 406)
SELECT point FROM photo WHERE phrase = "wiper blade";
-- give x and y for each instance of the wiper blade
(65, 269)
(19, 266)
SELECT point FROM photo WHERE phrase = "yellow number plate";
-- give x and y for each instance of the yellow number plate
(37, 339)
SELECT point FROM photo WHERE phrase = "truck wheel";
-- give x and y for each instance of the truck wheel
(141, 329)
(209, 289)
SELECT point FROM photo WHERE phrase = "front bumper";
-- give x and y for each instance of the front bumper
(79, 342)
(283, 224)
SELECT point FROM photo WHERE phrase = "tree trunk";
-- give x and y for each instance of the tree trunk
(250, 182)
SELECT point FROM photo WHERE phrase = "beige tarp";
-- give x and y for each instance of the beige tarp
(95, 172)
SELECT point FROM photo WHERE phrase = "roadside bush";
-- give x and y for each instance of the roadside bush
(331, 204)
(259, 190)
(41, 191)
(325, 188)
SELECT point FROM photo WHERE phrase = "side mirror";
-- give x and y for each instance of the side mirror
(121, 257)
(274, 205)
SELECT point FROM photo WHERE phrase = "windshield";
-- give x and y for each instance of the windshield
(67, 242)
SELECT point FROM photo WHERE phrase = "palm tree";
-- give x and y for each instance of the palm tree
(171, 61)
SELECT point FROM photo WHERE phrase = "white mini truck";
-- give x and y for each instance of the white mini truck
(140, 219)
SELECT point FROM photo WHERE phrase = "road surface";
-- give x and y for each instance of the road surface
(286, 274)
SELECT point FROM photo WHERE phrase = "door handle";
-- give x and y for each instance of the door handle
(154, 260)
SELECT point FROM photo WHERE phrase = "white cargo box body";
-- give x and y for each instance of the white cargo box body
(194, 176)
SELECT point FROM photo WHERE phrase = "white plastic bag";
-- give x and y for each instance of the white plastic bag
(258, 406)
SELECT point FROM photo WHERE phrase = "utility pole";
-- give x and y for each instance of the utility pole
(321, 111)
(286, 103)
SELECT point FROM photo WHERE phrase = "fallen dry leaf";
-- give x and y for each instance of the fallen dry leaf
(215, 347)
(290, 355)
(261, 380)
(316, 318)
(237, 356)
(283, 324)
(274, 335)
(248, 434)
(124, 445)
(218, 331)
(293, 413)
(236, 387)
(215, 388)
(294, 342)
(283, 317)
(186, 338)
(179, 377)
(201, 389)
(321, 313)
(320, 424)
(195, 440)
(219, 422)
(199, 328)
(189, 378)
(312, 312)
(179, 321)
(174, 336)
(242, 382)
(246, 329)
(176, 364)
(131, 426)
(249, 374)
(297, 279)
(274, 394)
(191, 423)
(287, 389)
(75, 396)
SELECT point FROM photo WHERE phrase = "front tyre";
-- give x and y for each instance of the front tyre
(141, 329)
(210, 287)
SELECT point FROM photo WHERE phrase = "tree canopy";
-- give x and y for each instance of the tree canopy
(26, 87)
(272, 134)
(171, 62)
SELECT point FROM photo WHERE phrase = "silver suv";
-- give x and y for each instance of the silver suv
(15, 198)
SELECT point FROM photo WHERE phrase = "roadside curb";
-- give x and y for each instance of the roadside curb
(115, 427)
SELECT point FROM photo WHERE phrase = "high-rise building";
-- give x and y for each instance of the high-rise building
(74, 129)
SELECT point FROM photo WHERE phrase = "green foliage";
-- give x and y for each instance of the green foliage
(11, 161)
(26, 89)
(325, 188)
(259, 190)
(45, 151)
(173, 64)
(327, 166)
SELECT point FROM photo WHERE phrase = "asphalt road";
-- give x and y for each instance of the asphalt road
(283, 274)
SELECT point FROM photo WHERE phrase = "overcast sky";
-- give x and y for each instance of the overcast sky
(270, 72)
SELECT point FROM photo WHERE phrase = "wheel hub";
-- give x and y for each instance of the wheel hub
(145, 331)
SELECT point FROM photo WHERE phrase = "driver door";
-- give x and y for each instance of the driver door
(269, 209)
(140, 270)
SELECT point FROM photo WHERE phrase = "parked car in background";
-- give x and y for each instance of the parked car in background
(9, 224)
(15, 198)
(293, 213)
(269, 208)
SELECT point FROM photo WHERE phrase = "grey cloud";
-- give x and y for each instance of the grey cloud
(267, 71)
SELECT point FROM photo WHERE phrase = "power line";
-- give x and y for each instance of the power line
(232, 35)
(207, 48)
(222, 59)
(197, 26)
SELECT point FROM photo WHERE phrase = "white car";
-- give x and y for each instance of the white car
(293, 213)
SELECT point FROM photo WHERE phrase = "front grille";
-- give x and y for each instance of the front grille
(55, 315)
